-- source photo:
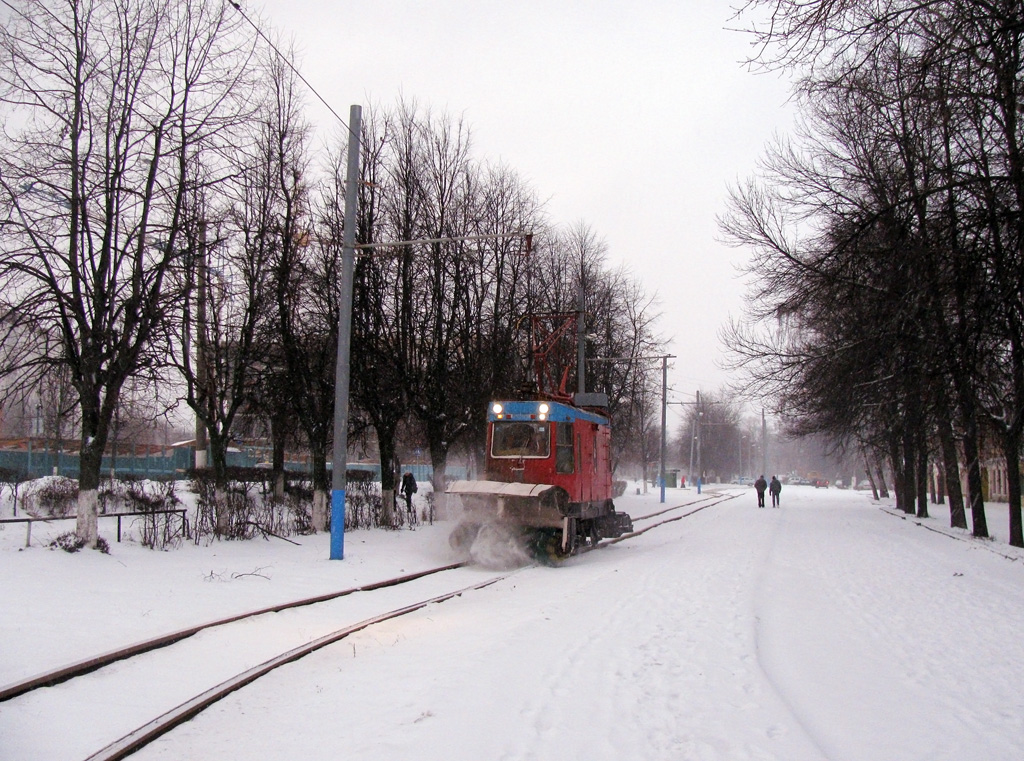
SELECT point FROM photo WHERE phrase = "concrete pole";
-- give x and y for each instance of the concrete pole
(201, 369)
(700, 472)
(339, 463)
(664, 407)
(693, 437)
(581, 348)
(764, 444)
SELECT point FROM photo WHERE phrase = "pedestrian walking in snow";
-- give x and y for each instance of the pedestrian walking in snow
(759, 486)
(775, 488)
(407, 489)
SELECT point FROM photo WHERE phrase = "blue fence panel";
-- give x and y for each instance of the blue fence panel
(35, 463)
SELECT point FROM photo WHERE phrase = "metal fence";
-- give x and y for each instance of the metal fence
(170, 463)
(35, 463)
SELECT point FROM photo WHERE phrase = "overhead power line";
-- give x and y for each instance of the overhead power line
(289, 64)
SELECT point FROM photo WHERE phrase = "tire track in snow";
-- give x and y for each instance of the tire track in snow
(675, 685)
(865, 628)
(577, 663)
(765, 660)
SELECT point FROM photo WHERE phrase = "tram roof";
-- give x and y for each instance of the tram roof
(558, 412)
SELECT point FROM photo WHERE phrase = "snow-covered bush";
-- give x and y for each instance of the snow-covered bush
(363, 504)
(69, 541)
(248, 507)
(55, 496)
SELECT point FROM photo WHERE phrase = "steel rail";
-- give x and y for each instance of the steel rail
(711, 496)
(139, 738)
(150, 731)
(88, 665)
(645, 529)
(718, 499)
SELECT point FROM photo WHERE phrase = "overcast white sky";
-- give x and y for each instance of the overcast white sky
(632, 116)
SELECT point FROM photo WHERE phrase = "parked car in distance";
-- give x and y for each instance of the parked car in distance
(743, 481)
(819, 483)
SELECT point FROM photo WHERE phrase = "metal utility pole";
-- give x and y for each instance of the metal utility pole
(764, 444)
(665, 402)
(339, 463)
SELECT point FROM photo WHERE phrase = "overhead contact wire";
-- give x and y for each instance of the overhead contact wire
(289, 64)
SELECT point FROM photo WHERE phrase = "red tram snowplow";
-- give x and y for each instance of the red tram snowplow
(548, 475)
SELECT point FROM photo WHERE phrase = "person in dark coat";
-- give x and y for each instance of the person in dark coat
(775, 489)
(407, 489)
(759, 486)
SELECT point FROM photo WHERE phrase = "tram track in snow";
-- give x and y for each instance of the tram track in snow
(713, 498)
(976, 542)
(176, 676)
(145, 734)
(76, 675)
(88, 665)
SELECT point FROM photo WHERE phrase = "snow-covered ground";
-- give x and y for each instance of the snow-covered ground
(827, 629)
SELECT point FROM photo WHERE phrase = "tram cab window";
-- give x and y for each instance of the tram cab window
(565, 461)
(520, 439)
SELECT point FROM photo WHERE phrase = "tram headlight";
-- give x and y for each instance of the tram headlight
(496, 408)
(544, 409)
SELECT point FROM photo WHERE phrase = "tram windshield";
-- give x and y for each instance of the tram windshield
(520, 439)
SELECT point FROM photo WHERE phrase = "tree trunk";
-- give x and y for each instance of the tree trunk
(219, 456)
(871, 480)
(439, 461)
(951, 474)
(321, 489)
(90, 461)
(968, 411)
(1011, 450)
(318, 518)
(277, 456)
(883, 487)
(908, 477)
(898, 476)
(922, 476)
(386, 445)
(974, 487)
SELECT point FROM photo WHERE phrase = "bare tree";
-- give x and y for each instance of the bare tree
(619, 325)
(235, 245)
(932, 93)
(111, 101)
(435, 323)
